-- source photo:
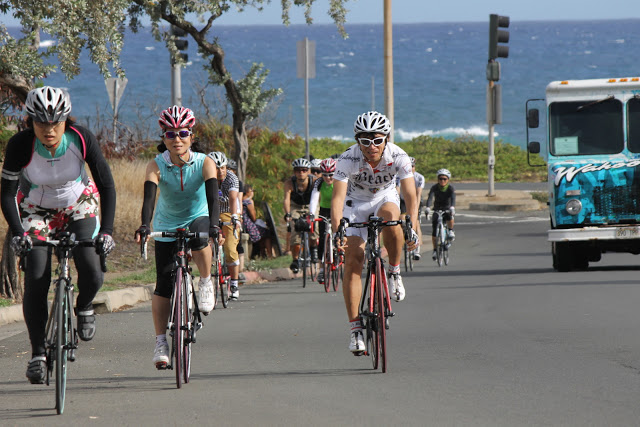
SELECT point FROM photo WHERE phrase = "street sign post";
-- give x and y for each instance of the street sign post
(115, 89)
(306, 67)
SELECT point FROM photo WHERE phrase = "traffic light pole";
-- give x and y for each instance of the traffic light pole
(492, 158)
(176, 85)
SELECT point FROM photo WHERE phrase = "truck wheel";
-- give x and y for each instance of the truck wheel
(562, 257)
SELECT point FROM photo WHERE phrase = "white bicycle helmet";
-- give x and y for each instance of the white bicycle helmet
(177, 117)
(231, 164)
(301, 163)
(48, 104)
(444, 172)
(219, 158)
(315, 163)
(372, 122)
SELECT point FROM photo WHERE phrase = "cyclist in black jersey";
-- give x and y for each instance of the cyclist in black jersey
(443, 196)
(297, 197)
(45, 190)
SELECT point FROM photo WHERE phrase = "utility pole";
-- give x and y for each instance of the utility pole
(388, 66)
(306, 69)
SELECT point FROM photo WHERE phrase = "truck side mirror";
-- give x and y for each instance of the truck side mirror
(534, 147)
(533, 118)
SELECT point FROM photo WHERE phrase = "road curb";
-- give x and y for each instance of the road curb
(110, 301)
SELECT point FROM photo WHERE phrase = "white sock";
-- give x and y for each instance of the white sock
(205, 279)
(394, 269)
(160, 339)
(355, 325)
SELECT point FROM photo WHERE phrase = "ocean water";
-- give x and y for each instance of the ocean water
(439, 74)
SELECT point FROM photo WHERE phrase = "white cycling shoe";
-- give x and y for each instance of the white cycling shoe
(356, 344)
(397, 287)
(161, 355)
(205, 296)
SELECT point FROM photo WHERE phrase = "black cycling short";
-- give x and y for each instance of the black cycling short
(434, 221)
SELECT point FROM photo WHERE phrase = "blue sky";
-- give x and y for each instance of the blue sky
(406, 11)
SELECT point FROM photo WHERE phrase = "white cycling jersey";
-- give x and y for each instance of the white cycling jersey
(367, 183)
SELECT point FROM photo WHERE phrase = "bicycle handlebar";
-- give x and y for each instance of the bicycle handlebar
(171, 234)
(68, 243)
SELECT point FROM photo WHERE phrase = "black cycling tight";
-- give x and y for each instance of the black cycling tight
(38, 278)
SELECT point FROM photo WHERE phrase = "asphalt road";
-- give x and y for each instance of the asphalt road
(494, 339)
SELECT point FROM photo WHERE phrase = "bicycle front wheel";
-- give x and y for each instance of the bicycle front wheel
(303, 260)
(225, 285)
(372, 343)
(178, 324)
(407, 254)
(439, 246)
(338, 273)
(62, 316)
(188, 331)
(327, 270)
(445, 255)
(379, 311)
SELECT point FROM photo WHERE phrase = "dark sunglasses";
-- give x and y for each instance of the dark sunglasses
(329, 175)
(365, 142)
(181, 133)
(443, 178)
(301, 169)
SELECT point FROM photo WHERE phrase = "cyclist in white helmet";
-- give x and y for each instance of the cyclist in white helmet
(46, 189)
(315, 168)
(443, 196)
(419, 179)
(364, 184)
(297, 197)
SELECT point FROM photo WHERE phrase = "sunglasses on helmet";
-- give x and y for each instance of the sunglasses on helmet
(365, 142)
(182, 134)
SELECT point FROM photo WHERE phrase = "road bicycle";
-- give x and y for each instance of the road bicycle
(61, 340)
(220, 276)
(184, 318)
(442, 239)
(408, 258)
(307, 265)
(332, 259)
(375, 304)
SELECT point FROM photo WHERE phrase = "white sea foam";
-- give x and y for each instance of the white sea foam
(149, 48)
(47, 43)
(619, 41)
(479, 131)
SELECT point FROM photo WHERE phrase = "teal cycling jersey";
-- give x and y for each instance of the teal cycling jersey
(182, 193)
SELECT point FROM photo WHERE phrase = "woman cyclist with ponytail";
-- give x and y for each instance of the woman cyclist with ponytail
(188, 199)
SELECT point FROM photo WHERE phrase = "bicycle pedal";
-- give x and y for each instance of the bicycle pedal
(386, 323)
(199, 326)
(161, 366)
(359, 353)
(71, 356)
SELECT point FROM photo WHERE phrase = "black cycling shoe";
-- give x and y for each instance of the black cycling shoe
(37, 369)
(86, 325)
(314, 254)
(294, 266)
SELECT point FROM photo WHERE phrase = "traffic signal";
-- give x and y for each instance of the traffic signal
(496, 35)
(181, 42)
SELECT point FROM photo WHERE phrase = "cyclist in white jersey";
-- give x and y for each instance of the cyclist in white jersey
(364, 185)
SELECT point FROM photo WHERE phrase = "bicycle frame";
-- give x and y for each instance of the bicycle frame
(184, 318)
(61, 336)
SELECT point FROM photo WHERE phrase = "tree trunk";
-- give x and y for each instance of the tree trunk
(17, 85)
(11, 285)
(241, 146)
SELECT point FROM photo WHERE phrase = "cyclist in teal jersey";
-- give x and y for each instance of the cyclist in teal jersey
(321, 195)
(188, 199)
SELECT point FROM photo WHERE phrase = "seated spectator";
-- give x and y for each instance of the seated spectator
(256, 228)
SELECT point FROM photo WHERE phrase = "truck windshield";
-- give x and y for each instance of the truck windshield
(633, 118)
(586, 127)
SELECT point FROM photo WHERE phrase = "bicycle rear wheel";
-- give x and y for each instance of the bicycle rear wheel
(178, 323)
(215, 276)
(410, 256)
(406, 257)
(62, 315)
(378, 309)
(445, 255)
